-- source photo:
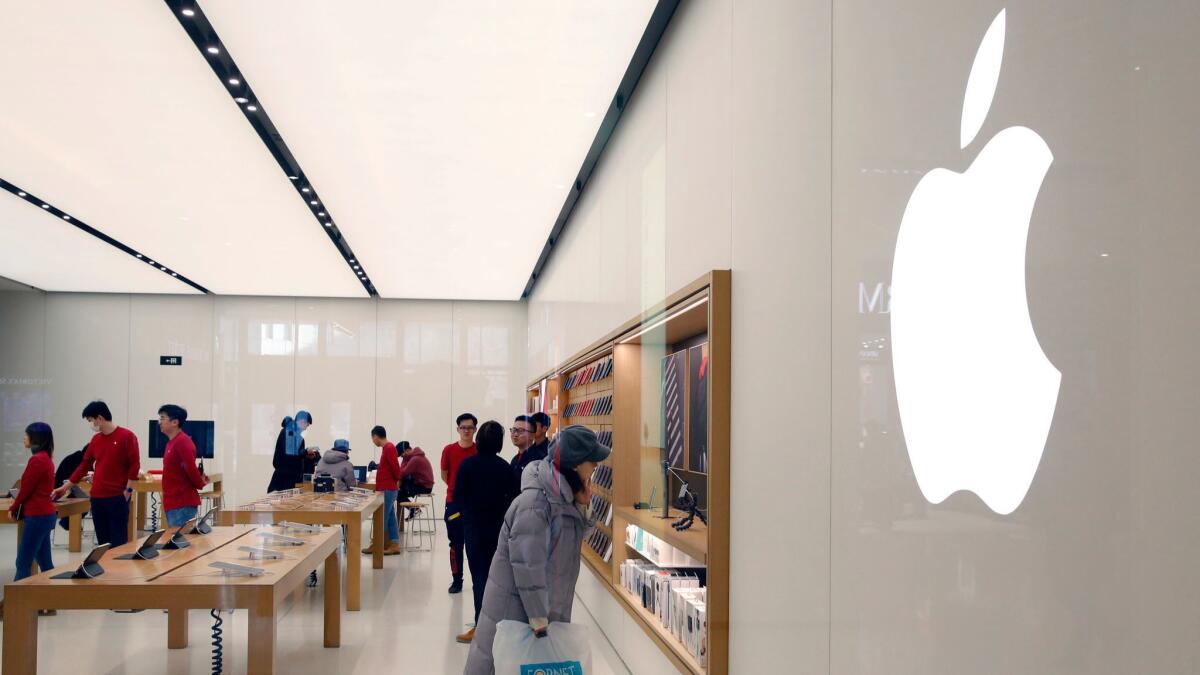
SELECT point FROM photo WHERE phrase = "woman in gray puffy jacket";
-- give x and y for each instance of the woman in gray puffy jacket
(532, 577)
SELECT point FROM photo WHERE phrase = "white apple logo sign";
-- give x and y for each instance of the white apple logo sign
(975, 391)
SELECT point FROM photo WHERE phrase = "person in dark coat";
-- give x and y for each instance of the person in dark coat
(292, 460)
(66, 467)
(533, 574)
(486, 486)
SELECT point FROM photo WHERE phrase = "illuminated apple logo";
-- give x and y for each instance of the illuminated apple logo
(975, 391)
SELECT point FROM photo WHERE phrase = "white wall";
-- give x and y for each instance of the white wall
(409, 365)
(783, 139)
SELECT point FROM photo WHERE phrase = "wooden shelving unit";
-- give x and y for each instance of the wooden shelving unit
(698, 314)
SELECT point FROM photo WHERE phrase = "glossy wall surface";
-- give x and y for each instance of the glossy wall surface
(784, 140)
(411, 366)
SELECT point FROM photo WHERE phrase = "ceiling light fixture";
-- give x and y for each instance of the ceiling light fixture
(663, 320)
(204, 36)
(66, 217)
(20, 194)
(45, 206)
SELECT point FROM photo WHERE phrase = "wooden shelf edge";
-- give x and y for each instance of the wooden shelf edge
(664, 638)
(693, 542)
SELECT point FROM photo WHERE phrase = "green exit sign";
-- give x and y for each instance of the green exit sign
(170, 360)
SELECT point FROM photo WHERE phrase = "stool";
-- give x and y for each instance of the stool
(407, 533)
(427, 519)
(212, 499)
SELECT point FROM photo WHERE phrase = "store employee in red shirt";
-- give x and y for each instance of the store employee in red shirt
(181, 480)
(452, 457)
(387, 481)
(113, 453)
(33, 502)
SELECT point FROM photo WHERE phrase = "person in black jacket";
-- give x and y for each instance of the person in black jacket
(66, 467)
(292, 460)
(485, 487)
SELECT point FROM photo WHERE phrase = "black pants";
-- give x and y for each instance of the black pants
(409, 489)
(110, 515)
(481, 548)
(454, 532)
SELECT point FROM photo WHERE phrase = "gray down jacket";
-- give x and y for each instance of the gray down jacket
(536, 565)
(337, 464)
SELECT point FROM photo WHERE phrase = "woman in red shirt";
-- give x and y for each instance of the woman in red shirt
(33, 501)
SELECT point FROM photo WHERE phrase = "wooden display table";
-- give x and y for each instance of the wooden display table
(318, 509)
(71, 508)
(139, 503)
(178, 581)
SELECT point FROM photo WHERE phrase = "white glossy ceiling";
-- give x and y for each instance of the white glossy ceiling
(442, 138)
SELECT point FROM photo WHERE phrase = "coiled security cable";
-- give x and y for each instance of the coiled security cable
(218, 653)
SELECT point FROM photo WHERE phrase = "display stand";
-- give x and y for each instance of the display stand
(658, 388)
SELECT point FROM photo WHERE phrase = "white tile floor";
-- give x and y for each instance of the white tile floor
(407, 625)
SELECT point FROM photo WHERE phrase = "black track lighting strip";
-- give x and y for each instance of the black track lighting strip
(44, 205)
(655, 28)
(212, 50)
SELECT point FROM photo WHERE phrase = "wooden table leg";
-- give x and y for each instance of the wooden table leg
(353, 563)
(177, 629)
(20, 636)
(333, 601)
(380, 535)
(260, 636)
(75, 533)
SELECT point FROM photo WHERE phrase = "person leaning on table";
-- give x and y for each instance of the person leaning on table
(37, 511)
(533, 575)
(113, 451)
(336, 463)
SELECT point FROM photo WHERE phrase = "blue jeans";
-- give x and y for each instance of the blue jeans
(391, 524)
(179, 516)
(35, 544)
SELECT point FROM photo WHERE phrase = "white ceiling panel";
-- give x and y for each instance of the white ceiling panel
(43, 251)
(110, 112)
(442, 136)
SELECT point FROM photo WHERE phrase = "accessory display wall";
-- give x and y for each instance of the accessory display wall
(656, 389)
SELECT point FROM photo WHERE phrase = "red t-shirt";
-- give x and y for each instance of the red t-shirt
(36, 483)
(452, 458)
(116, 460)
(181, 480)
(387, 477)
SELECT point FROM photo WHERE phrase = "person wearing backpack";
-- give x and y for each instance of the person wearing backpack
(533, 574)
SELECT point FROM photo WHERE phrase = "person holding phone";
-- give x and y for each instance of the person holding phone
(533, 574)
(181, 480)
(113, 454)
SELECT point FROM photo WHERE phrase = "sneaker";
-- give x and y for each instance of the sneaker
(312, 579)
(392, 548)
(466, 637)
(456, 587)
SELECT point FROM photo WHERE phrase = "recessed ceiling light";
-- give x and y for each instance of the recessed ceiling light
(213, 50)
(45, 206)
(241, 99)
(313, 202)
(328, 224)
(234, 81)
(139, 255)
(66, 217)
(304, 189)
(251, 108)
(188, 12)
(174, 274)
(293, 177)
(20, 194)
(353, 260)
(150, 261)
(321, 213)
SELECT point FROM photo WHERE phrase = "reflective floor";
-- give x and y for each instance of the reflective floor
(407, 625)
